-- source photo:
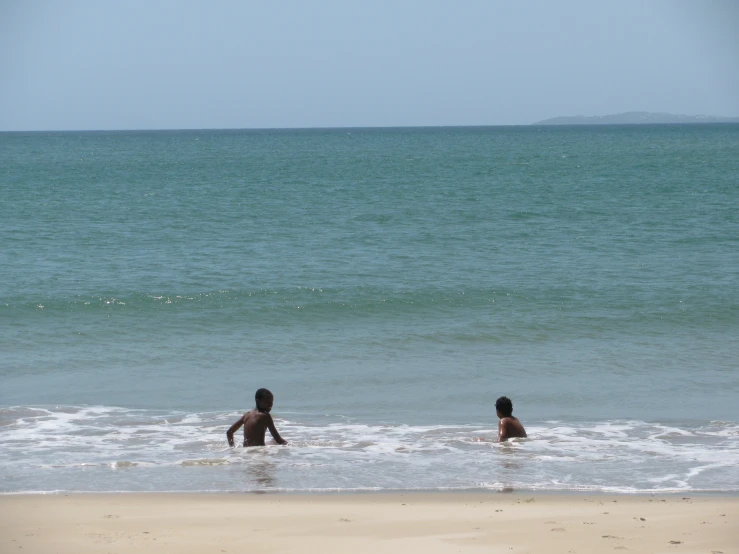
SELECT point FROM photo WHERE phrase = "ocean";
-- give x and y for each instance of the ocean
(387, 285)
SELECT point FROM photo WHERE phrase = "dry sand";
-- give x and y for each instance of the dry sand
(386, 523)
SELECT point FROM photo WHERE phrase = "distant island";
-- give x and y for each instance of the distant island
(635, 118)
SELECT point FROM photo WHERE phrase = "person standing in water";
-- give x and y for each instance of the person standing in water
(508, 426)
(256, 422)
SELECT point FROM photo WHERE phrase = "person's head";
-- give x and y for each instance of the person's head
(504, 407)
(264, 400)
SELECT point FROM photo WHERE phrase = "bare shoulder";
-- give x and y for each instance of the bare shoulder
(513, 426)
(257, 417)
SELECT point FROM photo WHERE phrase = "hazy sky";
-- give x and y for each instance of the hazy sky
(236, 64)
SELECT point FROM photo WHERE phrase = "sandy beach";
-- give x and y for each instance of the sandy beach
(479, 522)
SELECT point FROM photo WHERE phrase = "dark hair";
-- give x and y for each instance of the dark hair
(504, 406)
(262, 393)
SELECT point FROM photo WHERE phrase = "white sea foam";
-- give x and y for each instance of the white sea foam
(98, 448)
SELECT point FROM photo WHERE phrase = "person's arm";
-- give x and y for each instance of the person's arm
(233, 429)
(502, 430)
(273, 430)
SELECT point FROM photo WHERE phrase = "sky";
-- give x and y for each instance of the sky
(168, 64)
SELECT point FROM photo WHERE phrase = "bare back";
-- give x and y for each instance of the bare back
(255, 424)
(510, 427)
(255, 427)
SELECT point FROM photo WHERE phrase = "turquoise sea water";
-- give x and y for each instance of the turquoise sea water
(387, 285)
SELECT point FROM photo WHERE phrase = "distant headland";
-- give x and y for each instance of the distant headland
(635, 118)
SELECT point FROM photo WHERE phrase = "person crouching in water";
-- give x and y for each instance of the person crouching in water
(508, 426)
(256, 422)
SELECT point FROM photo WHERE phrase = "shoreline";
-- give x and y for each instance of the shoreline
(385, 492)
(505, 492)
(394, 522)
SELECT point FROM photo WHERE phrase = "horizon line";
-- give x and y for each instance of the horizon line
(337, 128)
(306, 128)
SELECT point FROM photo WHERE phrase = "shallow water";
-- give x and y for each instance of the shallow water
(97, 448)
